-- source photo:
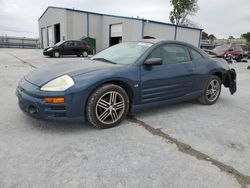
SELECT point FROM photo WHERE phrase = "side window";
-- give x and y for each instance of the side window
(68, 44)
(71, 43)
(171, 53)
(83, 43)
(65, 44)
(76, 43)
(195, 54)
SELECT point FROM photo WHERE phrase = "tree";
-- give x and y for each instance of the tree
(204, 36)
(246, 36)
(181, 10)
(231, 37)
(211, 37)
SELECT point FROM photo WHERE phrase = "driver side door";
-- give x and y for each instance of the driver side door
(68, 48)
(172, 79)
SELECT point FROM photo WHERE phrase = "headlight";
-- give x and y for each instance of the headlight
(59, 84)
(49, 49)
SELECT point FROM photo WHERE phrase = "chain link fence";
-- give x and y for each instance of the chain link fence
(19, 42)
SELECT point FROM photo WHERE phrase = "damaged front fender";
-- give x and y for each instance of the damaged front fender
(229, 80)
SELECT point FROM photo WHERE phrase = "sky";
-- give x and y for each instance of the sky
(223, 18)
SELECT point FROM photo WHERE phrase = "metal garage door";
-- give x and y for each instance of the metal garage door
(43, 37)
(116, 30)
(50, 39)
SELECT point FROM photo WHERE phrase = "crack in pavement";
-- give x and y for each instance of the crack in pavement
(23, 61)
(242, 179)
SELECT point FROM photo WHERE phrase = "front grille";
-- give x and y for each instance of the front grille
(55, 110)
(58, 107)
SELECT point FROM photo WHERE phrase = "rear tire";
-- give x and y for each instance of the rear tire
(85, 54)
(212, 91)
(107, 106)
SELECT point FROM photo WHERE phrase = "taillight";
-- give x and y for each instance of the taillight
(87, 46)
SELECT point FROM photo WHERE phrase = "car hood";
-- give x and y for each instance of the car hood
(45, 74)
(217, 52)
(45, 49)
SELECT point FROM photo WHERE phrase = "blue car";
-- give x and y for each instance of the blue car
(124, 78)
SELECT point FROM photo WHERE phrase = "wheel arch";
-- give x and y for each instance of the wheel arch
(123, 85)
(127, 88)
(219, 74)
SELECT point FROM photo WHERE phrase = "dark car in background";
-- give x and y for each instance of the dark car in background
(229, 49)
(70, 47)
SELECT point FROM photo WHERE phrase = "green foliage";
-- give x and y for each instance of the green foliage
(206, 36)
(212, 37)
(182, 9)
(231, 37)
(246, 36)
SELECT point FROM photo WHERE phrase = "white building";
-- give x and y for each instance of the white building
(57, 24)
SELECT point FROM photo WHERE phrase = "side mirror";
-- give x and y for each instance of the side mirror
(153, 61)
(231, 49)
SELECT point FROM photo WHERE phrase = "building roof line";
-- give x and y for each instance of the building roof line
(124, 17)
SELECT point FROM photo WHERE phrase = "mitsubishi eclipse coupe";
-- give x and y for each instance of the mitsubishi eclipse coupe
(124, 78)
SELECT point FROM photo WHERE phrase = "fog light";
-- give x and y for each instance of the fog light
(55, 100)
(32, 109)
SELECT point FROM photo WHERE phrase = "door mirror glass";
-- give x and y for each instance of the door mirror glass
(153, 61)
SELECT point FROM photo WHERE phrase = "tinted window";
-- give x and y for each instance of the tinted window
(83, 43)
(77, 43)
(68, 44)
(171, 53)
(59, 43)
(237, 47)
(195, 54)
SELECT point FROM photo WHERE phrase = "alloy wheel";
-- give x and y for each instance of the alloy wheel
(85, 54)
(213, 90)
(57, 54)
(110, 107)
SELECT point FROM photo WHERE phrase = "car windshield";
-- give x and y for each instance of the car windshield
(123, 53)
(222, 48)
(59, 43)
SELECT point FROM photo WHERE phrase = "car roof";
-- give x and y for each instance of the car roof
(156, 41)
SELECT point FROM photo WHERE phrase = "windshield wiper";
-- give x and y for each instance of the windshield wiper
(105, 60)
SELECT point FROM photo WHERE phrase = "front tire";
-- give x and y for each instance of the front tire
(56, 54)
(107, 106)
(212, 91)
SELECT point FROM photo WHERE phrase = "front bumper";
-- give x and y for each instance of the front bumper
(48, 53)
(32, 103)
(229, 80)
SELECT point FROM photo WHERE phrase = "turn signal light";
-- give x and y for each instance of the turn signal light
(55, 100)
